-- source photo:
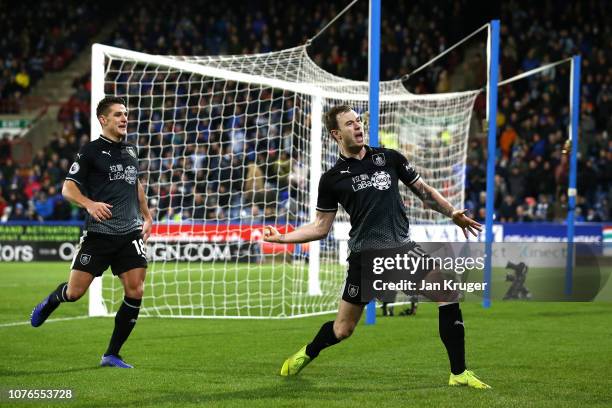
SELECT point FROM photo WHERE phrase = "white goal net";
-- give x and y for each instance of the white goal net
(228, 144)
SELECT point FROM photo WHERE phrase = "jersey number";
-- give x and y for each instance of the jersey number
(140, 247)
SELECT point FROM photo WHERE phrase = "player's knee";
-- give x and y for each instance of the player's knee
(135, 292)
(343, 330)
(74, 293)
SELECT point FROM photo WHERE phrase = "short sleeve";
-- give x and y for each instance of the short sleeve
(405, 170)
(326, 201)
(79, 170)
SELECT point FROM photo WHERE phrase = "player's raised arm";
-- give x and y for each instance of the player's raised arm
(99, 211)
(434, 200)
(306, 233)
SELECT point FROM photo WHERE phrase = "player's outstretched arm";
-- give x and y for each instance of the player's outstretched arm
(146, 215)
(434, 200)
(306, 233)
(99, 211)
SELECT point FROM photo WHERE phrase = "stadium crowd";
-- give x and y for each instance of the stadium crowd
(234, 169)
(41, 38)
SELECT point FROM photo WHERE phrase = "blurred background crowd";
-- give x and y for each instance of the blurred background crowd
(532, 172)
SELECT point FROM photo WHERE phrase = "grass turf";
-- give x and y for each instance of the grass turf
(533, 354)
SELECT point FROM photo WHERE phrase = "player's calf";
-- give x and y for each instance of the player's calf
(326, 337)
(43, 310)
(125, 320)
(452, 334)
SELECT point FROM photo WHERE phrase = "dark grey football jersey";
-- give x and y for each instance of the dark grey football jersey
(368, 190)
(107, 171)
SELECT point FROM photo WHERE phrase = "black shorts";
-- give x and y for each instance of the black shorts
(358, 287)
(96, 252)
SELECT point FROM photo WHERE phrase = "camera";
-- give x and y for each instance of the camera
(519, 270)
(517, 276)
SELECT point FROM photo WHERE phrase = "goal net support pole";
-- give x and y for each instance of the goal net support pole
(373, 81)
(492, 80)
(573, 168)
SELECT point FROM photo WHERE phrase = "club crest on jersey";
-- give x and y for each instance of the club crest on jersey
(353, 290)
(379, 159)
(381, 180)
(85, 258)
(131, 151)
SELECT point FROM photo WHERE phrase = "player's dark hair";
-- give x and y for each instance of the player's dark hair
(330, 119)
(106, 103)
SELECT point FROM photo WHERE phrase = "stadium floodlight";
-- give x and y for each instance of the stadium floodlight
(200, 122)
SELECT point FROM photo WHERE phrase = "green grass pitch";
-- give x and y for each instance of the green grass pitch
(533, 354)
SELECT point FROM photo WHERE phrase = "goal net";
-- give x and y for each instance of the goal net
(229, 144)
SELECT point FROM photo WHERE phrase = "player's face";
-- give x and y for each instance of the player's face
(115, 122)
(350, 131)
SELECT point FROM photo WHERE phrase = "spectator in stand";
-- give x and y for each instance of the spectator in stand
(522, 215)
(559, 212)
(18, 213)
(50, 35)
(44, 206)
(507, 211)
(3, 203)
(543, 211)
(5, 148)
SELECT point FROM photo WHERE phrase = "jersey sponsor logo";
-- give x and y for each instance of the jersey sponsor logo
(361, 181)
(106, 152)
(381, 180)
(353, 290)
(117, 172)
(379, 159)
(74, 169)
(84, 259)
(347, 171)
(131, 151)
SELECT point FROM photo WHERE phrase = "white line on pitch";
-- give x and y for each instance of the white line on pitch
(61, 319)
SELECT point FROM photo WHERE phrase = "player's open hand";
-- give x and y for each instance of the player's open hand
(146, 229)
(100, 211)
(466, 223)
(271, 234)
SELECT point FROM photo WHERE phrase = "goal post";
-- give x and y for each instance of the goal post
(316, 132)
(96, 304)
(229, 144)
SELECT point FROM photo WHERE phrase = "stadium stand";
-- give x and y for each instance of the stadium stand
(531, 171)
(38, 40)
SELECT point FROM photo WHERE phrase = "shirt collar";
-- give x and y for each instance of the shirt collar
(368, 150)
(107, 140)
